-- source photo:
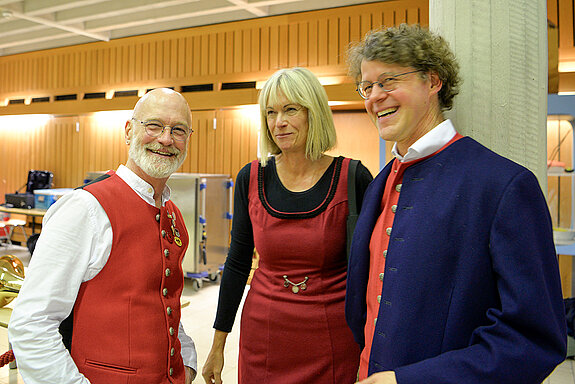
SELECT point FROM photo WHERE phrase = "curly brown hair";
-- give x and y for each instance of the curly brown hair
(409, 46)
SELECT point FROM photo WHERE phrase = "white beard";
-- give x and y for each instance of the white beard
(156, 166)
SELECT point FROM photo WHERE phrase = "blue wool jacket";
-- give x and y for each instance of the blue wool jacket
(471, 292)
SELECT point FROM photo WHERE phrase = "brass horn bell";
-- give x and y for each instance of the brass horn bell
(11, 278)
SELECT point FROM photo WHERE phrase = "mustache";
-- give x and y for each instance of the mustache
(160, 147)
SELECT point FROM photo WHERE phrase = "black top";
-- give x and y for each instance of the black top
(239, 260)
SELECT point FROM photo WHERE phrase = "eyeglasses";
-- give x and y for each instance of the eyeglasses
(386, 83)
(156, 128)
(288, 110)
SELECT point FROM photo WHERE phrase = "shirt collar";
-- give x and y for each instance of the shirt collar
(429, 143)
(142, 188)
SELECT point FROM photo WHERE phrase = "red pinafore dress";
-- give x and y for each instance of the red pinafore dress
(295, 332)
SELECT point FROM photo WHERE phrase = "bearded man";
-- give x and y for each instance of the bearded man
(101, 300)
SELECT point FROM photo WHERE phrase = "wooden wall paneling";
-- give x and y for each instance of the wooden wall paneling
(565, 18)
(64, 147)
(254, 124)
(354, 28)
(72, 168)
(292, 45)
(350, 126)
(388, 18)
(123, 68)
(220, 59)
(220, 138)
(76, 69)
(5, 178)
(238, 52)
(323, 39)
(91, 69)
(235, 146)
(65, 70)
(115, 67)
(51, 148)
(283, 46)
(192, 147)
(143, 76)
(344, 38)
(81, 144)
(273, 48)
(255, 50)
(151, 61)
(365, 23)
(177, 58)
(412, 15)
(4, 71)
(160, 57)
(210, 152)
(373, 21)
(108, 65)
(202, 138)
(333, 41)
(227, 142)
(97, 148)
(313, 55)
(189, 57)
(265, 44)
(303, 43)
(173, 59)
(229, 52)
(552, 14)
(212, 55)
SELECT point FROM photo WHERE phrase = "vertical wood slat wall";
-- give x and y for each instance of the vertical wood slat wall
(240, 51)
(74, 144)
(562, 14)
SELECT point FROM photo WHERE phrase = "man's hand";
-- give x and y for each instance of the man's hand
(387, 377)
(190, 375)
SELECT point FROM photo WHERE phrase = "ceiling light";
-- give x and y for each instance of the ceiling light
(6, 14)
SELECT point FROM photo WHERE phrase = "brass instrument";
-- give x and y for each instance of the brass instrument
(11, 278)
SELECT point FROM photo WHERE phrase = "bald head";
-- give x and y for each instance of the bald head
(163, 99)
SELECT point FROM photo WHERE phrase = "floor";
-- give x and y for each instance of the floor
(198, 318)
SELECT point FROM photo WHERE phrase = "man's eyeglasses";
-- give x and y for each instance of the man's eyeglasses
(386, 82)
(156, 128)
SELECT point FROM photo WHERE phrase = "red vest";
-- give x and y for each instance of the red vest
(126, 318)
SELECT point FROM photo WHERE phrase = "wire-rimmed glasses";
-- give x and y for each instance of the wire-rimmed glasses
(155, 128)
(385, 81)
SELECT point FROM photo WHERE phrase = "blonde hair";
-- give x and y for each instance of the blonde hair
(300, 86)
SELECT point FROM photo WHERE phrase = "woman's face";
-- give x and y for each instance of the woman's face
(287, 124)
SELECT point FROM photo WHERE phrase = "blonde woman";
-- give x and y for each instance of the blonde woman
(292, 206)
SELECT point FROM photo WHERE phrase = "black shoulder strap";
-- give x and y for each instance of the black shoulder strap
(351, 198)
(351, 202)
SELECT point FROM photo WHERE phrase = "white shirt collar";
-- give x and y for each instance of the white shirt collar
(429, 143)
(141, 187)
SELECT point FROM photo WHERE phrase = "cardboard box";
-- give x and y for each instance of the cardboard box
(44, 198)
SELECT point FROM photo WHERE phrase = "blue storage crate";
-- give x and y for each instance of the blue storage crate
(44, 198)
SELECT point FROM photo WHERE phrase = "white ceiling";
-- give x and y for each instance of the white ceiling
(32, 25)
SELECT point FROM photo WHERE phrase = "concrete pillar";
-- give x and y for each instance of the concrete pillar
(501, 46)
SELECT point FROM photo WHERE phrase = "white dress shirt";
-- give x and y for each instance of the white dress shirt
(75, 245)
(429, 143)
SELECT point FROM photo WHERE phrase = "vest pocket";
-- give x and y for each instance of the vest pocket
(110, 367)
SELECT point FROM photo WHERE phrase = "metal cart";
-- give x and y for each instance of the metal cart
(205, 201)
